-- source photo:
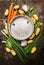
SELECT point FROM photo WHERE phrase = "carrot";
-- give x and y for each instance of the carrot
(9, 15)
(14, 13)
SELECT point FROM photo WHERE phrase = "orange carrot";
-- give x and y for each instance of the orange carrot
(9, 15)
(14, 13)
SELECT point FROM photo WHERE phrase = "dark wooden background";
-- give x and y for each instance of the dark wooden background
(38, 57)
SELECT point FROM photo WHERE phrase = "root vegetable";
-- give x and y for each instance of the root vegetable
(37, 31)
(6, 12)
(35, 16)
(5, 31)
(13, 14)
(16, 7)
(21, 12)
(32, 36)
(25, 8)
(33, 50)
(30, 41)
(9, 15)
(23, 43)
(7, 49)
(33, 20)
(13, 52)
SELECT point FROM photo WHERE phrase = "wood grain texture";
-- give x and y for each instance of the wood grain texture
(38, 57)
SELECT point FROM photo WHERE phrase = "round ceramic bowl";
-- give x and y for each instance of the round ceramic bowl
(21, 27)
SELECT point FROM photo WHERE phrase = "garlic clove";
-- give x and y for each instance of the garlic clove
(24, 7)
(23, 43)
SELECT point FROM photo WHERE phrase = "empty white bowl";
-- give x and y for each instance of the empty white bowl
(21, 27)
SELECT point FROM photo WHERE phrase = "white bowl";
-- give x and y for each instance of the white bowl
(21, 27)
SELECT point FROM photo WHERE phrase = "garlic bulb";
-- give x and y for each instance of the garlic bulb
(24, 7)
(23, 43)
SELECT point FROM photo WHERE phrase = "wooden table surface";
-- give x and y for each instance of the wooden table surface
(38, 57)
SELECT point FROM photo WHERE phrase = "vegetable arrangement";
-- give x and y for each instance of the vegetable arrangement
(13, 46)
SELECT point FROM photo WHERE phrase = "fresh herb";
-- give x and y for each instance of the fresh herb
(31, 12)
(31, 9)
(38, 24)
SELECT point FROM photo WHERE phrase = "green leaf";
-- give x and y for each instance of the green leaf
(31, 9)
(38, 24)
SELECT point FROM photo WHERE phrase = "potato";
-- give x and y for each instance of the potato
(32, 36)
(33, 20)
(5, 31)
(16, 7)
(21, 12)
(33, 50)
(7, 49)
(6, 12)
(30, 41)
(35, 16)
(13, 52)
(37, 31)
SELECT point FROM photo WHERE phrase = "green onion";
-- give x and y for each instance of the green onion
(18, 52)
(17, 44)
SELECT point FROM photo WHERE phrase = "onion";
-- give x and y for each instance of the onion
(23, 43)
(24, 7)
